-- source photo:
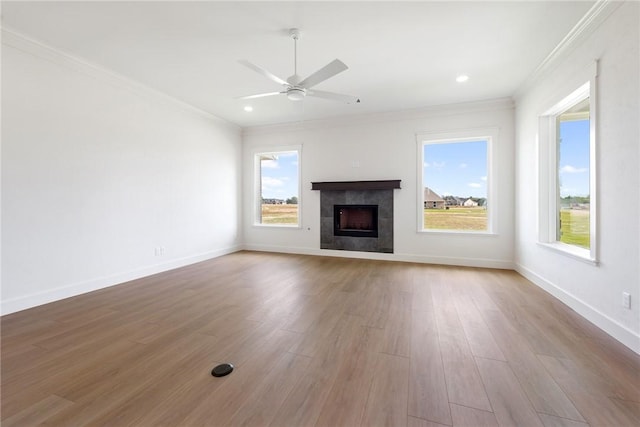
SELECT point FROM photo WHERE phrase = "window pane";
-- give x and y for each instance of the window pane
(455, 186)
(279, 188)
(573, 176)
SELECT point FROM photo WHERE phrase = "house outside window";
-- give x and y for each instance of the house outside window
(455, 189)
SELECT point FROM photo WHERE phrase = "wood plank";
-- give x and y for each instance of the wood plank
(479, 336)
(261, 407)
(508, 399)
(592, 401)
(378, 304)
(345, 403)
(388, 396)
(419, 422)
(618, 375)
(305, 404)
(470, 417)
(20, 359)
(544, 393)
(39, 412)
(553, 421)
(328, 326)
(420, 287)
(464, 385)
(107, 395)
(32, 386)
(428, 397)
(523, 311)
(397, 331)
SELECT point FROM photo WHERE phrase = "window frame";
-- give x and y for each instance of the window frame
(548, 169)
(257, 184)
(490, 135)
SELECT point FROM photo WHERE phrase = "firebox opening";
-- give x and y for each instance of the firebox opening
(355, 220)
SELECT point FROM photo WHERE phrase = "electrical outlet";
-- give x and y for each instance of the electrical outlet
(626, 300)
(156, 251)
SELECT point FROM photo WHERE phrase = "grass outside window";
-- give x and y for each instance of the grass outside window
(575, 227)
(456, 218)
(279, 214)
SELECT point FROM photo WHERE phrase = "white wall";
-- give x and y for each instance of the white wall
(97, 172)
(385, 147)
(593, 291)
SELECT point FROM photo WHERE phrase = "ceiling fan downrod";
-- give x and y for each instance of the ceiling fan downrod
(295, 35)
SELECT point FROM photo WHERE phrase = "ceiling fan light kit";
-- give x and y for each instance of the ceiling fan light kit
(296, 89)
(296, 94)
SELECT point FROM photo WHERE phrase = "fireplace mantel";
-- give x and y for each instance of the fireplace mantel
(356, 185)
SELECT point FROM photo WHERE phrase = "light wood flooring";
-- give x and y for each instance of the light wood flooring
(316, 341)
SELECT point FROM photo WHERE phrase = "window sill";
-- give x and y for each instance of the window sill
(574, 252)
(459, 232)
(277, 225)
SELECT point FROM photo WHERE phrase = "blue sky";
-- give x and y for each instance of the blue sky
(574, 158)
(280, 177)
(456, 168)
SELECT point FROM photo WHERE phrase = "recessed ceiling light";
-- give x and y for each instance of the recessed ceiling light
(462, 78)
(248, 108)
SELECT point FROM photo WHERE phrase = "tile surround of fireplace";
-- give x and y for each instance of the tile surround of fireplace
(357, 194)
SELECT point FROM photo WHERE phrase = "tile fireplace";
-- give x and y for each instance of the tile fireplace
(356, 215)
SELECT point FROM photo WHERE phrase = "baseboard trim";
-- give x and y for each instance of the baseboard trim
(457, 261)
(601, 320)
(33, 300)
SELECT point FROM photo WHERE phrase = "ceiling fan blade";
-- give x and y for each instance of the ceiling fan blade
(264, 72)
(349, 99)
(260, 95)
(331, 69)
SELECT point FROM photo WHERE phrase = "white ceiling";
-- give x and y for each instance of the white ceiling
(401, 55)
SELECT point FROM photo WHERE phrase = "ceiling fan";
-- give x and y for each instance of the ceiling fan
(296, 88)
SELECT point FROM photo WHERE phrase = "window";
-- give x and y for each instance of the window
(454, 184)
(572, 167)
(278, 187)
(567, 174)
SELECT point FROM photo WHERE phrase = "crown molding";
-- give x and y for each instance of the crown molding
(594, 17)
(384, 117)
(28, 45)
